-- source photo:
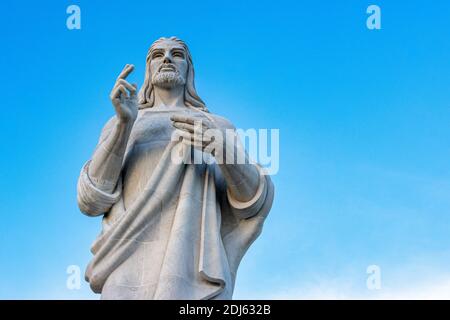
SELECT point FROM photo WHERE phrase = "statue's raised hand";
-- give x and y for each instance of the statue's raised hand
(123, 96)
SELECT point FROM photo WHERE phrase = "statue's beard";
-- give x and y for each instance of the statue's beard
(168, 79)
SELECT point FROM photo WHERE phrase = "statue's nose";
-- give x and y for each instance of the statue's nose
(167, 59)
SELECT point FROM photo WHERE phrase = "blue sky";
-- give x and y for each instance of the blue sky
(364, 135)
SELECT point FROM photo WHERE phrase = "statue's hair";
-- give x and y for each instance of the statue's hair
(147, 94)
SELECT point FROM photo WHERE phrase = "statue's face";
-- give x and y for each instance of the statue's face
(168, 64)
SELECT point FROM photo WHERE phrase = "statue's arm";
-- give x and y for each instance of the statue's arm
(106, 163)
(242, 180)
(248, 188)
(99, 178)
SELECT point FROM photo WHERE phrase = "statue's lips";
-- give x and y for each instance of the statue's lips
(165, 69)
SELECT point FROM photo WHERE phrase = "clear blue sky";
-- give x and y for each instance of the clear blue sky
(364, 134)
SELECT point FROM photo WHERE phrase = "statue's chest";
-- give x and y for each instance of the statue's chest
(149, 138)
(150, 128)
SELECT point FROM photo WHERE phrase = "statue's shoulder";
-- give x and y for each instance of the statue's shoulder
(222, 122)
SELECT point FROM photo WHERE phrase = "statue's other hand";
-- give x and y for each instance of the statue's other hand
(201, 133)
(123, 96)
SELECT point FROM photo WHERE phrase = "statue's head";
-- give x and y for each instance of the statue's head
(169, 65)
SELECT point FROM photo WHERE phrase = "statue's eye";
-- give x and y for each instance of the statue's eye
(157, 55)
(178, 54)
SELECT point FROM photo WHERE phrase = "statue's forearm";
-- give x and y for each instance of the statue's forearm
(106, 163)
(242, 179)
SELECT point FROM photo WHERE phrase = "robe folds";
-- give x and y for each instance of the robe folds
(170, 230)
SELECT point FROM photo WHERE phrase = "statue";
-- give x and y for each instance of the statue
(170, 229)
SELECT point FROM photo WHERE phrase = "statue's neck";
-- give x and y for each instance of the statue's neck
(173, 97)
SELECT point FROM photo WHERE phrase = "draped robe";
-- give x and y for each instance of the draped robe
(169, 230)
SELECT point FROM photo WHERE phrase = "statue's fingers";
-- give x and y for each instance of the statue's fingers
(133, 93)
(115, 93)
(123, 91)
(123, 72)
(130, 88)
(186, 119)
(191, 139)
(126, 71)
(197, 138)
(184, 126)
(189, 136)
(198, 123)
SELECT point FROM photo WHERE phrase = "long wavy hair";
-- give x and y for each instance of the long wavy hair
(147, 94)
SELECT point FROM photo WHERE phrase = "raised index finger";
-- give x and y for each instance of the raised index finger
(126, 71)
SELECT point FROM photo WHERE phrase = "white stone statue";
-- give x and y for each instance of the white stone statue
(171, 229)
